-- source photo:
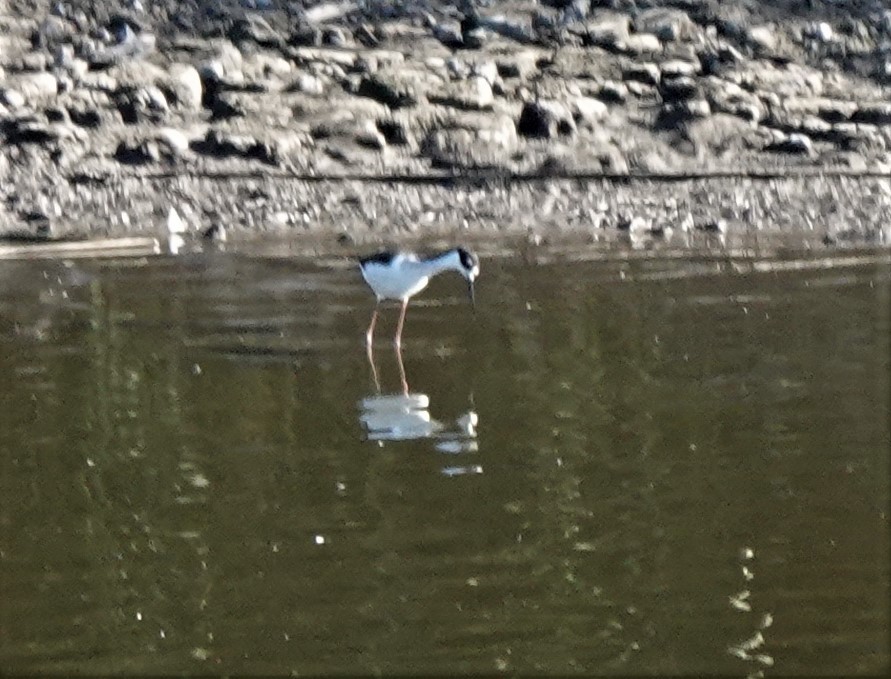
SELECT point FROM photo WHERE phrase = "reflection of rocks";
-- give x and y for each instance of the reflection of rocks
(414, 89)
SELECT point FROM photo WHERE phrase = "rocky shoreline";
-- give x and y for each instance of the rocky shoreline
(381, 120)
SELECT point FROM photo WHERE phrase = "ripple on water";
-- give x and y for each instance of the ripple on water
(563, 484)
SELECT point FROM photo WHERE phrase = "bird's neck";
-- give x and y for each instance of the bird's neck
(447, 261)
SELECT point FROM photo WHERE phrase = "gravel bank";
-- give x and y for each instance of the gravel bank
(371, 121)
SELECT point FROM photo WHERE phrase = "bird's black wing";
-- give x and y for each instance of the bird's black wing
(384, 257)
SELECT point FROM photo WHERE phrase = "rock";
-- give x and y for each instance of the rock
(132, 46)
(796, 144)
(507, 28)
(29, 130)
(448, 35)
(473, 33)
(83, 116)
(222, 144)
(608, 30)
(634, 224)
(305, 35)
(223, 108)
(762, 38)
(136, 153)
(845, 135)
(819, 31)
(475, 93)
(646, 73)
(878, 113)
(253, 28)
(715, 62)
(37, 88)
(545, 119)
(172, 141)
(130, 73)
(63, 56)
(588, 112)
(55, 114)
(499, 132)
(485, 147)
(671, 115)
(836, 111)
(175, 223)
(727, 97)
(215, 232)
(338, 124)
(225, 67)
(712, 226)
(457, 69)
(520, 65)
(675, 68)
(366, 35)
(390, 87)
(679, 89)
(696, 108)
(814, 127)
(141, 104)
(669, 25)
(722, 135)
(613, 92)
(264, 71)
(12, 98)
(487, 70)
(52, 31)
(184, 86)
(370, 137)
(33, 62)
(396, 131)
(333, 36)
(641, 43)
(308, 84)
(613, 161)
(639, 90)
(78, 69)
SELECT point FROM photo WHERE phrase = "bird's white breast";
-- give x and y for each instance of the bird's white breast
(399, 279)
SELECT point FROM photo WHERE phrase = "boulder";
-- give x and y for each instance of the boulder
(475, 93)
(222, 144)
(545, 119)
(184, 87)
(669, 25)
(483, 145)
(392, 87)
(588, 111)
(794, 144)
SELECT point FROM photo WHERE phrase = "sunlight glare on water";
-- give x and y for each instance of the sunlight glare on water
(616, 466)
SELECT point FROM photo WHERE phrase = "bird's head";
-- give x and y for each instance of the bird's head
(469, 267)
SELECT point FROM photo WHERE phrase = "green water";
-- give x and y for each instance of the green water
(617, 466)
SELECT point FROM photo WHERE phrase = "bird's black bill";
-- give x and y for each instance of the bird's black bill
(472, 294)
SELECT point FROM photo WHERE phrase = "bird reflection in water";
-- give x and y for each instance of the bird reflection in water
(406, 416)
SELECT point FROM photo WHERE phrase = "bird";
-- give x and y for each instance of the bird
(402, 275)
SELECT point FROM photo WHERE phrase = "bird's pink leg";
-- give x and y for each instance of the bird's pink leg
(401, 370)
(369, 334)
(398, 340)
(370, 354)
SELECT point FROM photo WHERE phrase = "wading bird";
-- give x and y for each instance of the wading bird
(402, 275)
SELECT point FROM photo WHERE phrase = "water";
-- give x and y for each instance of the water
(620, 465)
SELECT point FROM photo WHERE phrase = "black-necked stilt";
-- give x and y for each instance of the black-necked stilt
(401, 275)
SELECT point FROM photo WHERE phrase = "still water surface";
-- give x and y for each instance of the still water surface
(617, 466)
